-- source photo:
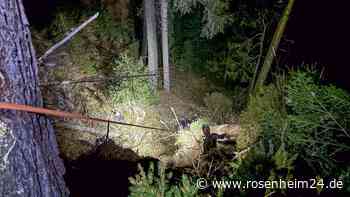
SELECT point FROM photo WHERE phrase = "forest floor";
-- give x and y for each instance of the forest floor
(75, 139)
(186, 101)
(87, 160)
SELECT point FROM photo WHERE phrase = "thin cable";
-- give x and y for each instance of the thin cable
(94, 80)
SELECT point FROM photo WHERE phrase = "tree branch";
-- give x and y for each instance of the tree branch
(67, 38)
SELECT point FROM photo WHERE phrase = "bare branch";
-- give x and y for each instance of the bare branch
(177, 120)
(261, 50)
(67, 38)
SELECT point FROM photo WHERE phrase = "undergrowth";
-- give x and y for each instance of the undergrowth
(130, 89)
(296, 129)
(301, 127)
(156, 182)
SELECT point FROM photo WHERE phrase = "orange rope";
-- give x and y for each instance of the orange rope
(62, 114)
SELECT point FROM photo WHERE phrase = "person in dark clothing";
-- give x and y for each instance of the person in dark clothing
(184, 123)
(216, 150)
(210, 140)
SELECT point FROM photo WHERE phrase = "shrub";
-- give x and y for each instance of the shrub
(264, 163)
(263, 117)
(319, 118)
(305, 123)
(151, 184)
(132, 97)
(109, 30)
(344, 175)
(219, 106)
(131, 90)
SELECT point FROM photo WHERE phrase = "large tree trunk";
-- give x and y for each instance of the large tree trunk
(152, 45)
(165, 44)
(29, 157)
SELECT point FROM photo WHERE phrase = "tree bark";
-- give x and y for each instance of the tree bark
(144, 39)
(274, 46)
(152, 46)
(29, 156)
(165, 44)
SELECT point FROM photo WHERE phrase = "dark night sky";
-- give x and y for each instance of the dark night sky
(321, 33)
(39, 12)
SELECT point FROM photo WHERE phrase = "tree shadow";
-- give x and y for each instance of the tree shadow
(103, 172)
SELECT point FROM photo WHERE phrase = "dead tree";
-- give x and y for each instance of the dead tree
(29, 156)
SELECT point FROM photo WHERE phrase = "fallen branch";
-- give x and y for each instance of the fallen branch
(177, 120)
(163, 123)
(67, 38)
(261, 50)
(239, 154)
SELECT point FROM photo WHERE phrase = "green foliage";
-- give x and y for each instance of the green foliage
(302, 122)
(64, 21)
(219, 105)
(239, 97)
(344, 175)
(238, 63)
(228, 58)
(215, 14)
(264, 162)
(263, 118)
(94, 48)
(319, 119)
(238, 59)
(151, 184)
(188, 49)
(131, 90)
(108, 30)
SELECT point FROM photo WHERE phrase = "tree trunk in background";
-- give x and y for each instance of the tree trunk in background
(29, 161)
(165, 44)
(151, 41)
(274, 46)
(144, 40)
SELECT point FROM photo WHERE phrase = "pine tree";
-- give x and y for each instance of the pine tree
(29, 157)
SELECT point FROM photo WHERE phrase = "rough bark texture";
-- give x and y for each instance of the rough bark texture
(29, 161)
(151, 40)
(165, 44)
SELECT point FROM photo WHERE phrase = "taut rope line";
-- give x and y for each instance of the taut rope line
(62, 114)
